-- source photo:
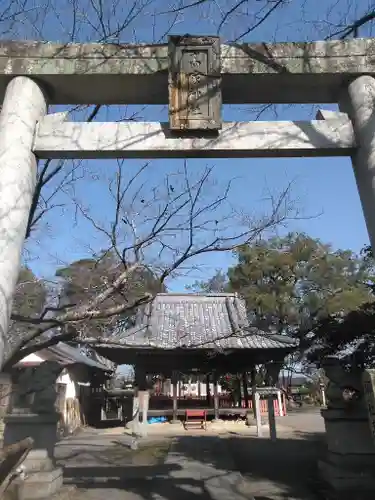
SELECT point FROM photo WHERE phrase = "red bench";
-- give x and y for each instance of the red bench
(197, 418)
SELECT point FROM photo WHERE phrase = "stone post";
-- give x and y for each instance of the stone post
(174, 396)
(216, 398)
(245, 390)
(358, 101)
(271, 417)
(144, 398)
(280, 404)
(253, 389)
(140, 386)
(33, 414)
(24, 104)
(134, 423)
(350, 462)
(258, 416)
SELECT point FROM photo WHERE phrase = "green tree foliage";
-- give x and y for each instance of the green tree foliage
(85, 279)
(352, 336)
(290, 284)
(301, 287)
(217, 284)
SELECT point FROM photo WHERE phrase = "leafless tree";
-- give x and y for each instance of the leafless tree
(159, 228)
(151, 21)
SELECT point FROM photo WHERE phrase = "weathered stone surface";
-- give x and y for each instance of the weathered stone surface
(341, 426)
(194, 83)
(127, 74)
(350, 458)
(42, 428)
(41, 485)
(359, 102)
(154, 140)
(23, 105)
(42, 382)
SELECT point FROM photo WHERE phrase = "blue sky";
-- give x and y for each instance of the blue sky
(324, 186)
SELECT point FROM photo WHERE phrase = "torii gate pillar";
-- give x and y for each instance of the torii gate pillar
(24, 104)
(359, 102)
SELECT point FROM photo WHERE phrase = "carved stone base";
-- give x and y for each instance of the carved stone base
(346, 482)
(350, 460)
(348, 431)
(43, 479)
(41, 427)
(40, 485)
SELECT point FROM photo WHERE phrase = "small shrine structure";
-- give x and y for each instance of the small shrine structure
(79, 379)
(206, 335)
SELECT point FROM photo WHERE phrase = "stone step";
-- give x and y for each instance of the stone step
(38, 485)
(67, 492)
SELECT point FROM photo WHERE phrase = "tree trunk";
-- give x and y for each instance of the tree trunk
(208, 397)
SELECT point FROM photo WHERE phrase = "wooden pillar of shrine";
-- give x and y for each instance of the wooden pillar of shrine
(239, 390)
(174, 397)
(216, 396)
(245, 390)
(253, 390)
(208, 395)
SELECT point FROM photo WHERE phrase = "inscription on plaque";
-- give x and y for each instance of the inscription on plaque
(369, 394)
(194, 83)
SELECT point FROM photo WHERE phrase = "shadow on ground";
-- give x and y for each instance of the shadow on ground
(284, 469)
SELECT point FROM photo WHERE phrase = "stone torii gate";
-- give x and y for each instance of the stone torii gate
(195, 75)
(34, 75)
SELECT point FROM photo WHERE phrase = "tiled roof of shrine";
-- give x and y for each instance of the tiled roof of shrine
(209, 321)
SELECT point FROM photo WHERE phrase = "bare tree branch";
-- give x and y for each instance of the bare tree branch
(353, 28)
(181, 218)
(263, 18)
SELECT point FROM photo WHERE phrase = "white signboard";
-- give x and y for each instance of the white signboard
(369, 393)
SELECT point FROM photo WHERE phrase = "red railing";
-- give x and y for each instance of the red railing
(225, 401)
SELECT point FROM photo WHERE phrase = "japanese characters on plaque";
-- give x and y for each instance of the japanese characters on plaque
(368, 381)
(194, 83)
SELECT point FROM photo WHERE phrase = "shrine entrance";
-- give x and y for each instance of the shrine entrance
(194, 75)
